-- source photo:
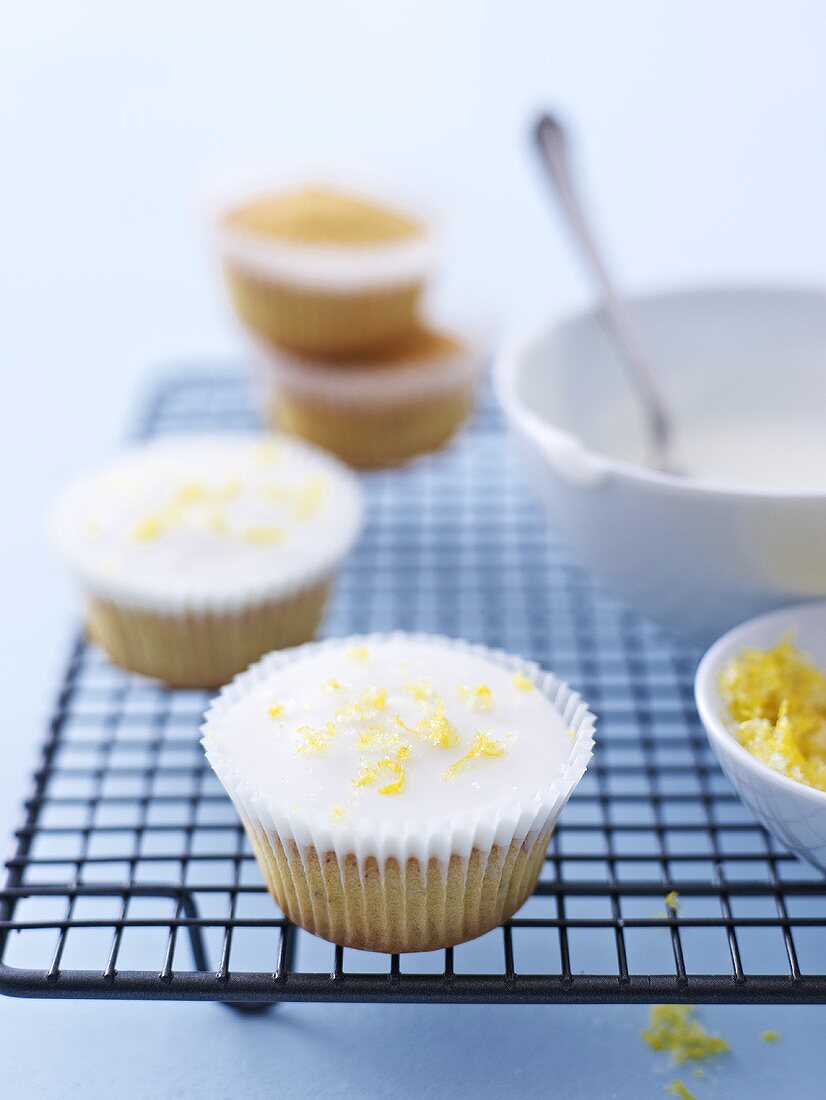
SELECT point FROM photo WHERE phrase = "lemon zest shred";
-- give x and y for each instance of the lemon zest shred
(308, 499)
(368, 704)
(275, 710)
(337, 813)
(314, 741)
(769, 1036)
(263, 534)
(368, 774)
(358, 654)
(480, 745)
(149, 528)
(421, 690)
(398, 783)
(480, 697)
(672, 1029)
(218, 523)
(523, 682)
(677, 1088)
(672, 901)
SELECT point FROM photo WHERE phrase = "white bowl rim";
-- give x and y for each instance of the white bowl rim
(509, 359)
(740, 637)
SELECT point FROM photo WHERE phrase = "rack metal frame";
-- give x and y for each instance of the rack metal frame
(130, 876)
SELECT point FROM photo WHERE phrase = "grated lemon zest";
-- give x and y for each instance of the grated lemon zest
(434, 727)
(672, 1029)
(523, 682)
(190, 492)
(395, 767)
(769, 1036)
(481, 745)
(263, 534)
(149, 528)
(309, 499)
(357, 654)
(218, 523)
(480, 697)
(677, 1088)
(314, 741)
(777, 699)
(337, 813)
(275, 710)
(421, 690)
(672, 900)
(368, 704)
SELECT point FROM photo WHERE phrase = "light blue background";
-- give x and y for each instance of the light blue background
(702, 137)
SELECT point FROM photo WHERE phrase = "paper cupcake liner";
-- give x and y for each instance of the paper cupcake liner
(203, 649)
(371, 416)
(325, 299)
(332, 268)
(318, 321)
(401, 887)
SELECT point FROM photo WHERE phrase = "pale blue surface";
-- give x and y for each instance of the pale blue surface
(703, 129)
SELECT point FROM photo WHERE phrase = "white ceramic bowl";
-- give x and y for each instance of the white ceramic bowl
(697, 555)
(793, 812)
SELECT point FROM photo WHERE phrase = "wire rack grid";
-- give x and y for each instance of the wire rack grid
(130, 876)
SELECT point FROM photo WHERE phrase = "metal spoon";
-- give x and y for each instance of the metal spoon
(553, 147)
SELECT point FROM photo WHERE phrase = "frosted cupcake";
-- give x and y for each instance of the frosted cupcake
(382, 410)
(324, 271)
(197, 554)
(398, 791)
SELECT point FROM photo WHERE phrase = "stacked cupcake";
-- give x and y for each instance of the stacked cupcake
(330, 285)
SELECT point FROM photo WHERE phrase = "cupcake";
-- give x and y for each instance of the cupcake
(197, 554)
(398, 790)
(324, 271)
(381, 410)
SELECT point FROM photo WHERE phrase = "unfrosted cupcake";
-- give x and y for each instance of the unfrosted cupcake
(323, 270)
(398, 791)
(383, 409)
(197, 554)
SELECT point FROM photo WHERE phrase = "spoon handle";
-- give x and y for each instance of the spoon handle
(553, 146)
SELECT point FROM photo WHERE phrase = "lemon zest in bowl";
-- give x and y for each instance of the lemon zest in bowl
(777, 699)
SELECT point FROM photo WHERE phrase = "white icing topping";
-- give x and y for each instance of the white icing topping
(385, 733)
(209, 519)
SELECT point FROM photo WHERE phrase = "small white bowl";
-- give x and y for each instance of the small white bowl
(793, 812)
(696, 554)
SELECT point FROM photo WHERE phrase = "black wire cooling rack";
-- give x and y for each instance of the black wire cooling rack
(131, 878)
